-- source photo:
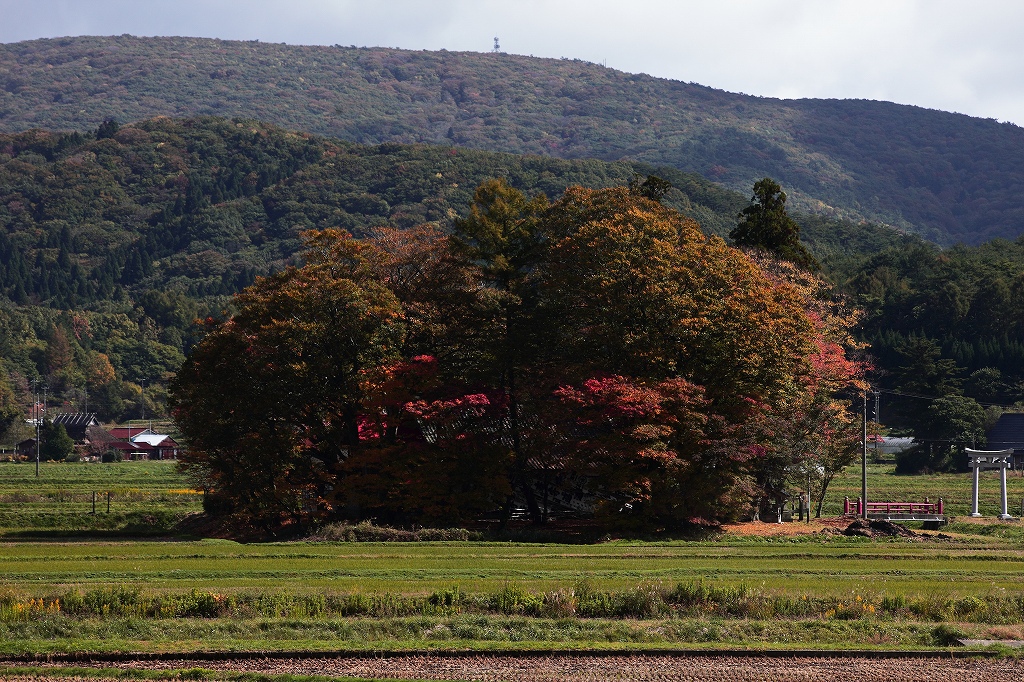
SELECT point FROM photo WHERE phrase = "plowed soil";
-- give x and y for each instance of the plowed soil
(623, 668)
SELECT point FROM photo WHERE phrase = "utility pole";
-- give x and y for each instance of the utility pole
(35, 418)
(38, 423)
(878, 426)
(143, 401)
(864, 460)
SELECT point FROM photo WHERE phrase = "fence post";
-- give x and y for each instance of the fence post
(108, 501)
(93, 501)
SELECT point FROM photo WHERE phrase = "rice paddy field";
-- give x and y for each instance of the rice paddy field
(70, 583)
(60, 499)
(144, 497)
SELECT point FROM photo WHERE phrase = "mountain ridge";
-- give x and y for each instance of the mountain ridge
(949, 177)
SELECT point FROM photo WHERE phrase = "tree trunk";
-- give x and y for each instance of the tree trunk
(821, 496)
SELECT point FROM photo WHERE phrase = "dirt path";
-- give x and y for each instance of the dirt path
(618, 668)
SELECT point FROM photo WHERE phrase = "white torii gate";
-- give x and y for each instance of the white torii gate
(990, 459)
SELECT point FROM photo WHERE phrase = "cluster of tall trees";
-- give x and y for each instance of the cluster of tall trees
(945, 327)
(599, 351)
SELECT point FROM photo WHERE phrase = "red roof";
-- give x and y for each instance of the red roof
(126, 432)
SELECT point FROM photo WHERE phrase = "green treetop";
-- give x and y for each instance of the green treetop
(764, 224)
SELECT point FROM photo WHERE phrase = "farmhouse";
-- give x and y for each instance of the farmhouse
(143, 443)
(26, 448)
(1008, 434)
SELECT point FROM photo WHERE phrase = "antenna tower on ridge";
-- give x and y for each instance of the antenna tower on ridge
(497, 47)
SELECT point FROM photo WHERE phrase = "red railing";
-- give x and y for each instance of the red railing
(855, 508)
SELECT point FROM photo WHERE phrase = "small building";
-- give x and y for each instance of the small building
(142, 443)
(127, 449)
(890, 445)
(26, 448)
(77, 424)
(157, 445)
(1008, 434)
(128, 432)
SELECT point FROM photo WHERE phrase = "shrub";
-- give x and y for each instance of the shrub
(560, 604)
(111, 456)
(217, 505)
(446, 601)
(946, 635)
(514, 600)
(643, 601)
(367, 531)
(590, 603)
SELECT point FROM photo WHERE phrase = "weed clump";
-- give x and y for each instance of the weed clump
(367, 531)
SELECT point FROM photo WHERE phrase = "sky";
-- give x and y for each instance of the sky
(965, 57)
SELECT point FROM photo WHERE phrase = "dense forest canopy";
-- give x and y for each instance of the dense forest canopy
(114, 241)
(948, 177)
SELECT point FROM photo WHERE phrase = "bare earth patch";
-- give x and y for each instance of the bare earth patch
(626, 668)
(763, 529)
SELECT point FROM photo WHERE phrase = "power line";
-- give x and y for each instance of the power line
(932, 397)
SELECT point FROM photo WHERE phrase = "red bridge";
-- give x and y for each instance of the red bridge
(896, 511)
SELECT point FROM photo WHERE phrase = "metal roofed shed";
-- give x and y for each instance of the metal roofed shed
(1008, 434)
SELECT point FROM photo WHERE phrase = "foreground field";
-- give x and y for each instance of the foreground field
(794, 566)
(757, 586)
(555, 668)
(817, 591)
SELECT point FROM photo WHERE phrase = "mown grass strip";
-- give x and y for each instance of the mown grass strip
(202, 674)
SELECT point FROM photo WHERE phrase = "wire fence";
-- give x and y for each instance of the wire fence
(101, 500)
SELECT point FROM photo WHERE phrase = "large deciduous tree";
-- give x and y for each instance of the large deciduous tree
(602, 343)
(270, 400)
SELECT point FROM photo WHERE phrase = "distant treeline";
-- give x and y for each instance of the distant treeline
(946, 176)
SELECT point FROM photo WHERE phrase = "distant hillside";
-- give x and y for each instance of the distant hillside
(113, 241)
(947, 177)
(204, 205)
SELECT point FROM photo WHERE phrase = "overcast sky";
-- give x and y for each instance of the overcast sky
(943, 54)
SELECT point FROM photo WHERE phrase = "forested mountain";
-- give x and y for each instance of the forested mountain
(112, 242)
(948, 177)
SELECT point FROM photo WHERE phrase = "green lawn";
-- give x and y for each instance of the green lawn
(61, 498)
(813, 591)
(836, 566)
(955, 489)
(809, 591)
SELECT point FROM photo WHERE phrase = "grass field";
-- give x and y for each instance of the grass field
(61, 498)
(954, 489)
(810, 591)
(818, 590)
(796, 567)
